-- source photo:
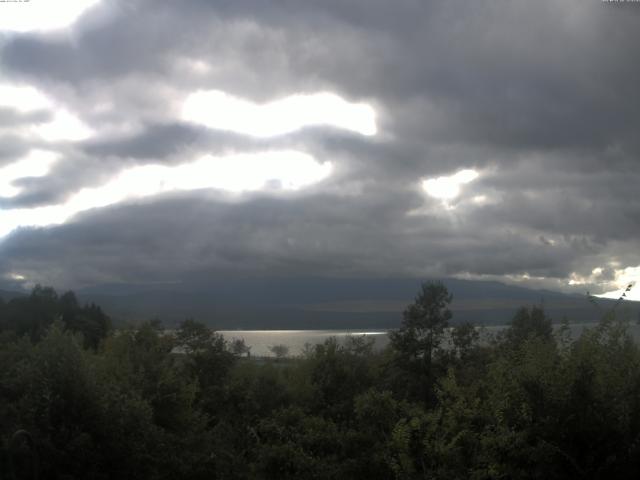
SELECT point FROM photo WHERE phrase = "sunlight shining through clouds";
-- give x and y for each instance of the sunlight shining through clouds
(23, 98)
(36, 15)
(36, 164)
(623, 277)
(218, 110)
(283, 170)
(448, 188)
(64, 126)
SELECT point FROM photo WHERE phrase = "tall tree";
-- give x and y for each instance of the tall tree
(420, 335)
(529, 322)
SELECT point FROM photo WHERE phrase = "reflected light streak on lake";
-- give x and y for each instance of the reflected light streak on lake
(295, 340)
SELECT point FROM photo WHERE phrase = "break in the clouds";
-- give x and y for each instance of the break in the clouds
(221, 111)
(20, 16)
(156, 141)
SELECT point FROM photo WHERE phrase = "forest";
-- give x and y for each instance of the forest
(80, 399)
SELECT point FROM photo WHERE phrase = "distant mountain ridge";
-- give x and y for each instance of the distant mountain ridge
(321, 303)
(7, 295)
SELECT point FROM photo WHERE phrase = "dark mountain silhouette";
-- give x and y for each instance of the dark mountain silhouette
(7, 295)
(322, 303)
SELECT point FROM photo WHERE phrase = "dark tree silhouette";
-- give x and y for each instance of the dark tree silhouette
(420, 335)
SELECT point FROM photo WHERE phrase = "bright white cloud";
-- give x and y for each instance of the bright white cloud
(36, 15)
(594, 277)
(36, 164)
(286, 170)
(623, 278)
(216, 109)
(448, 187)
(23, 98)
(64, 126)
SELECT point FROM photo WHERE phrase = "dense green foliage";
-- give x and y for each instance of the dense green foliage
(90, 403)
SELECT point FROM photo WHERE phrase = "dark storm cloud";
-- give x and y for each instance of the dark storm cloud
(155, 142)
(198, 233)
(539, 97)
(71, 172)
(178, 142)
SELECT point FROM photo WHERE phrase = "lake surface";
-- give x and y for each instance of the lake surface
(295, 340)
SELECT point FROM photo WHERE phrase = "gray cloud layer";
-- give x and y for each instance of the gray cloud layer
(540, 97)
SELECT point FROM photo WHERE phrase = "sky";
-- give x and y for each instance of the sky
(160, 141)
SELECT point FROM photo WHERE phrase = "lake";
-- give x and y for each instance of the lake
(295, 340)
